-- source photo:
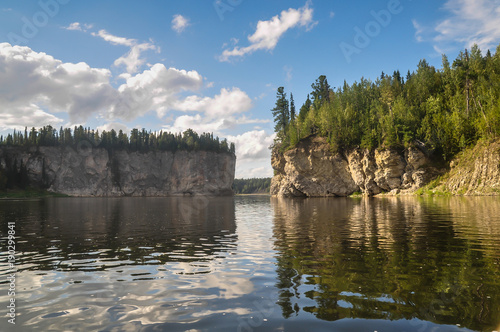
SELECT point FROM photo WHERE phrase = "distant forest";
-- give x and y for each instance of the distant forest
(139, 140)
(444, 109)
(252, 186)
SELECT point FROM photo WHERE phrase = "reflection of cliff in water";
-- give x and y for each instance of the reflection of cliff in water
(97, 233)
(390, 258)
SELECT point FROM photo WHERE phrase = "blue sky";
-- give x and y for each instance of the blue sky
(212, 65)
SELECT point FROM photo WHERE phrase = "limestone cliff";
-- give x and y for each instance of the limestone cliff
(97, 172)
(311, 169)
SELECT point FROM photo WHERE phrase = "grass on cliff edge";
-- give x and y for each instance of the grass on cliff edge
(464, 162)
(28, 193)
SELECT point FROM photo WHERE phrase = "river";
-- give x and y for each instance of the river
(251, 263)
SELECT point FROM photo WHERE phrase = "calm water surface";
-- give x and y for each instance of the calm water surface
(253, 263)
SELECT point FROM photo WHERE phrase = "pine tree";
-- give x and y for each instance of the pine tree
(281, 113)
(321, 92)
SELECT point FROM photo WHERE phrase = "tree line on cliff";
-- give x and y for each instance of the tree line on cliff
(444, 109)
(139, 140)
(14, 174)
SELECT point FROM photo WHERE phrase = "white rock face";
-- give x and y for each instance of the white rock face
(311, 169)
(97, 172)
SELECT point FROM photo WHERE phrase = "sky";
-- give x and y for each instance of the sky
(213, 65)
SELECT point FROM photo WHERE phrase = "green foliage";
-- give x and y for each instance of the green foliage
(447, 109)
(139, 140)
(252, 186)
(321, 91)
(292, 108)
(281, 113)
(304, 109)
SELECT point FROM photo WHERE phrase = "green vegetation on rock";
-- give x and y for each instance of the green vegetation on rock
(473, 171)
(444, 110)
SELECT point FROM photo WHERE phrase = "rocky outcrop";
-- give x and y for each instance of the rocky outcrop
(475, 171)
(312, 169)
(97, 172)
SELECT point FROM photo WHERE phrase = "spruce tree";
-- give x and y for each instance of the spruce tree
(321, 92)
(281, 113)
(304, 109)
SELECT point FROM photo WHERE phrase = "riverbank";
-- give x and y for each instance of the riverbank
(28, 193)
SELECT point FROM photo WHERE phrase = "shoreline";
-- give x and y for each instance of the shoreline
(28, 193)
(428, 193)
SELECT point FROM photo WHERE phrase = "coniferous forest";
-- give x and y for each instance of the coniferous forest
(252, 186)
(139, 140)
(445, 109)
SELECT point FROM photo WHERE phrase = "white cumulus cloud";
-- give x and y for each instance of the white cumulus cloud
(253, 154)
(226, 103)
(155, 89)
(132, 60)
(268, 33)
(74, 26)
(179, 23)
(36, 83)
(201, 123)
(253, 145)
(35, 87)
(32, 82)
(26, 116)
(77, 26)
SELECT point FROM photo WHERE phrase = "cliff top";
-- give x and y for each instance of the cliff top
(139, 140)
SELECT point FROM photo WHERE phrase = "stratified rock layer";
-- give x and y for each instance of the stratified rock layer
(475, 171)
(97, 172)
(311, 169)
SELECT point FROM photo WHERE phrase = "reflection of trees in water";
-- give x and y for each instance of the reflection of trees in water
(126, 230)
(390, 258)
